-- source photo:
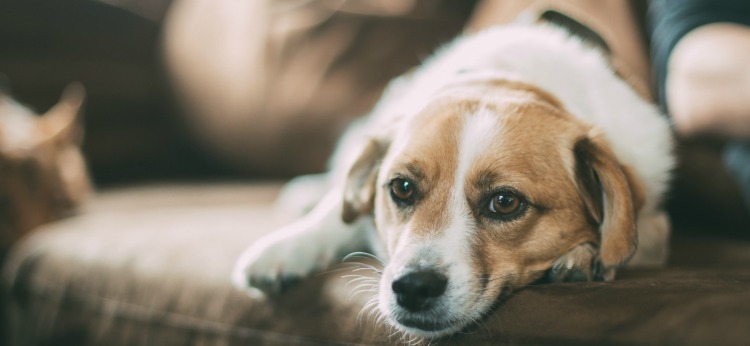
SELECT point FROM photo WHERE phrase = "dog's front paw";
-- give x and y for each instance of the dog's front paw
(579, 264)
(274, 264)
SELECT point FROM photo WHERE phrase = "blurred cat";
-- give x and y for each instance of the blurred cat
(43, 175)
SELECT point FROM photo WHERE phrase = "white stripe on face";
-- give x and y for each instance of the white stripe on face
(448, 249)
(479, 132)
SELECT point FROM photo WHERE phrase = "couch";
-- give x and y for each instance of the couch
(149, 265)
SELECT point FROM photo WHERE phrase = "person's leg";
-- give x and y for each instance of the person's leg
(270, 84)
(701, 55)
(708, 81)
(615, 23)
(701, 59)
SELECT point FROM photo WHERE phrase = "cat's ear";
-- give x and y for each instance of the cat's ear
(61, 122)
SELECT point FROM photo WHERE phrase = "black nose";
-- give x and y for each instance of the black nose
(415, 291)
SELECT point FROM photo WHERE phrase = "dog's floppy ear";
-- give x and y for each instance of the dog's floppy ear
(359, 189)
(610, 199)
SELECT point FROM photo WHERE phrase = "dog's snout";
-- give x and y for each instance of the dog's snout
(415, 291)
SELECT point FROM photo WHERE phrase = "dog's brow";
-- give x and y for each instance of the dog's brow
(415, 170)
(486, 180)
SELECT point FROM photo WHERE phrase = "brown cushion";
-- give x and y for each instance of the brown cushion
(151, 265)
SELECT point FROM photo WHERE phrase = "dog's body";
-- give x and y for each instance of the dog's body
(513, 153)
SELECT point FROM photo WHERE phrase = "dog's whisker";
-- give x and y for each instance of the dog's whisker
(369, 315)
(353, 262)
(414, 340)
(380, 321)
(355, 267)
(369, 267)
(361, 287)
(363, 254)
(384, 320)
(344, 266)
(479, 323)
(372, 308)
(368, 306)
(364, 290)
(358, 278)
(371, 303)
(361, 282)
(351, 281)
(393, 333)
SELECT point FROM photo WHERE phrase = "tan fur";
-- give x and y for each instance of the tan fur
(432, 165)
(618, 230)
(637, 191)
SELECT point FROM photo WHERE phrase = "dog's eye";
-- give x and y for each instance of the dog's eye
(402, 190)
(505, 204)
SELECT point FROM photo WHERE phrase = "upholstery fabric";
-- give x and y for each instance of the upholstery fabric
(150, 266)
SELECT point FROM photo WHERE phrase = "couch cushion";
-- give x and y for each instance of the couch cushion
(151, 265)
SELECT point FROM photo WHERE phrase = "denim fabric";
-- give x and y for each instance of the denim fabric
(737, 159)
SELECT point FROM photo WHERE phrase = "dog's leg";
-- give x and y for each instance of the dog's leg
(653, 240)
(300, 195)
(577, 264)
(289, 254)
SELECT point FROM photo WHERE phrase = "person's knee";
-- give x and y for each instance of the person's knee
(708, 81)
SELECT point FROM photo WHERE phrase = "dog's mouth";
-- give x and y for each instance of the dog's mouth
(432, 323)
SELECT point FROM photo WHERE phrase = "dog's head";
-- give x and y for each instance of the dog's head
(482, 192)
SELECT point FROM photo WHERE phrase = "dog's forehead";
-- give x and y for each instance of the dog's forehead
(516, 134)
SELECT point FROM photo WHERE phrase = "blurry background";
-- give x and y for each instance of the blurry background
(133, 129)
(244, 113)
(240, 109)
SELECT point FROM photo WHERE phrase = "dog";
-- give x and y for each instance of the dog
(511, 155)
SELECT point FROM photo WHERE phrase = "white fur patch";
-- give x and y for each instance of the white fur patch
(478, 133)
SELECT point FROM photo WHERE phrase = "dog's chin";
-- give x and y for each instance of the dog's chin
(431, 325)
(425, 328)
